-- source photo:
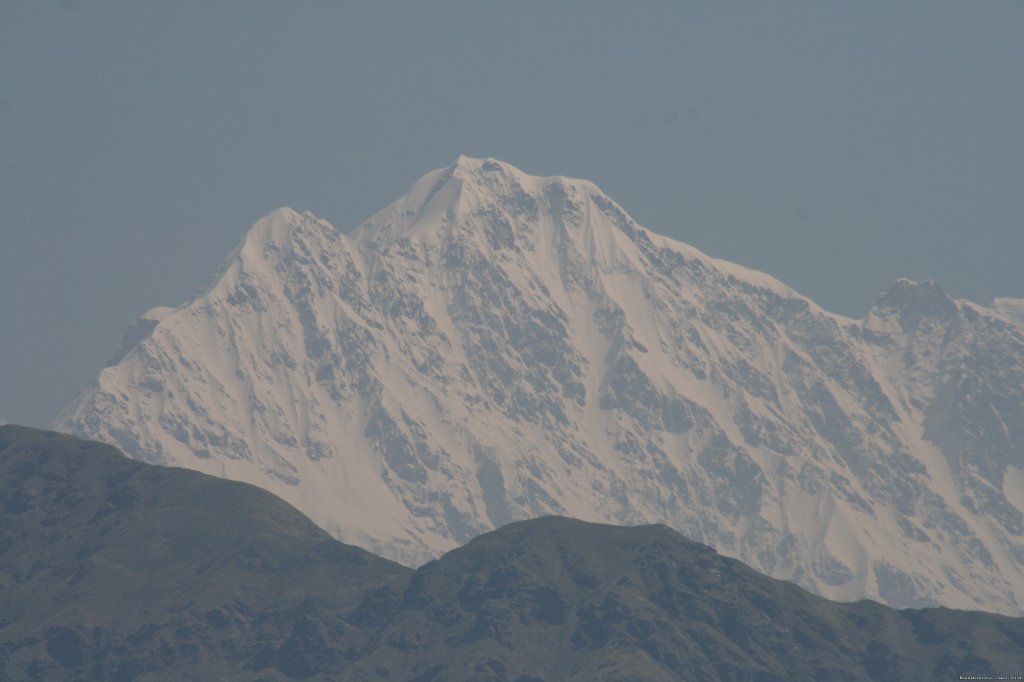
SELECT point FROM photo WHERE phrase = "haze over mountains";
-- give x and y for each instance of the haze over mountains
(116, 570)
(496, 346)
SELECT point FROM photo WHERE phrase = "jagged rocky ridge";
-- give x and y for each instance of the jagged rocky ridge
(116, 570)
(496, 346)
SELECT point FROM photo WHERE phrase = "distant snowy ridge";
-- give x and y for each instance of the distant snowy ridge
(497, 346)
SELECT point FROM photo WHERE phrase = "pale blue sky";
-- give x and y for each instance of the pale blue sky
(836, 146)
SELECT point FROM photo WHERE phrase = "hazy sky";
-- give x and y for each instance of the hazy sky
(836, 146)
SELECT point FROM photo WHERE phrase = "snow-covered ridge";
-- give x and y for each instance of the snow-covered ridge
(496, 346)
(1010, 308)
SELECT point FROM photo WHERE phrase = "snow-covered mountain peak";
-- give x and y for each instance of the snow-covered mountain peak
(274, 229)
(468, 166)
(496, 176)
(471, 183)
(272, 240)
(496, 346)
(489, 210)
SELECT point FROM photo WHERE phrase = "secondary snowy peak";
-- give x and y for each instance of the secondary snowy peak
(497, 346)
(271, 234)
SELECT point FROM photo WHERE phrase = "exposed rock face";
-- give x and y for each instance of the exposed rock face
(496, 346)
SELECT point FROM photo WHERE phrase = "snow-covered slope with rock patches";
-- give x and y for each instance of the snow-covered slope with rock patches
(1010, 308)
(497, 346)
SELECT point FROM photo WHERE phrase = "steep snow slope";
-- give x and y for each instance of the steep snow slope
(496, 346)
(1010, 308)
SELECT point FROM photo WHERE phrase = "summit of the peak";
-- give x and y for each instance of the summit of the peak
(442, 188)
(488, 172)
(490, 164)
(487, 176)
(473, 195)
